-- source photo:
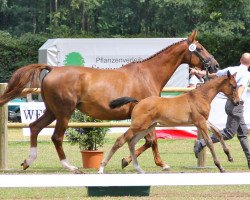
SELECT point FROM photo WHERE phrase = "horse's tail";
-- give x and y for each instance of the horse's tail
(116, 103)
(27, 76)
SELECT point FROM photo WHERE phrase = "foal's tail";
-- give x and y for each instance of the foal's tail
(121, 101)
(27, 76)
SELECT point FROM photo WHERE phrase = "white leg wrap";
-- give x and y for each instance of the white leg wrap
(101, 170)
(166, 167)
(32, 155)
(68, 166)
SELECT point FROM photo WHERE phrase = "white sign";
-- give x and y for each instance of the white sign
(30, 112)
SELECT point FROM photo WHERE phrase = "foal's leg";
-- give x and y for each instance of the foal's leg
(151, 141)
(120, 141)
(216, 131)
(57, 138)
(131, 145)
(35, 128)
(204, 131)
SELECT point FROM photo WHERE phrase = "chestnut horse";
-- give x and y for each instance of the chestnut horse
(190, 108)
(90, 90)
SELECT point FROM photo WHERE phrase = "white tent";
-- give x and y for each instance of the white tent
(108, 53)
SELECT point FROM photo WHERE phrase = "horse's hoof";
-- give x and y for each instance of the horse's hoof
(166, 168)
(222, 170)
(230, 159)
(25, 165)
(124, 163)
(78, 171)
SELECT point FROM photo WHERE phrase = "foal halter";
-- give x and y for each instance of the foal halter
(206, 63)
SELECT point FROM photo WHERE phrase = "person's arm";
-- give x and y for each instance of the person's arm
(204, 73)
(240, 90)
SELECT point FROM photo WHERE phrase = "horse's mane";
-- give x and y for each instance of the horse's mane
(150, 57)
(157, 53)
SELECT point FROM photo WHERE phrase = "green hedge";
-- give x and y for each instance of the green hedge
(226, 50)
(16, 52)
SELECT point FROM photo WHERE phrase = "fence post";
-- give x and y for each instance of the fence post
(3, 131)
(202, 155)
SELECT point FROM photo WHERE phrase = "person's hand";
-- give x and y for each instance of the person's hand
(201, 73)
(193, 71)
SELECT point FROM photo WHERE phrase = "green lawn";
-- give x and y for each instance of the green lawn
(177, 153)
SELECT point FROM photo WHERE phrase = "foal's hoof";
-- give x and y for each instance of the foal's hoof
(25, 165)
(78, 171)
(124, 163)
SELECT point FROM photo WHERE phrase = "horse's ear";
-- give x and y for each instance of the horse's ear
(229, 74)
(192, 37)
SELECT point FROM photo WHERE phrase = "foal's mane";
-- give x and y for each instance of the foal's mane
(157, 53)
(212, 82)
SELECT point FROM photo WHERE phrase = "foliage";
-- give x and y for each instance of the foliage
(87, 138)
(223, 17)
(25, 25)
(227, 50)
(168, 18)
(16, 52)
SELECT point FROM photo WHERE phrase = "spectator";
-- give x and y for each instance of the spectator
(235, 118)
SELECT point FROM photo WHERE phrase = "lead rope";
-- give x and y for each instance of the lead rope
(206, 78)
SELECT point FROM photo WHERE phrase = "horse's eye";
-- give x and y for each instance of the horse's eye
(199, 49)
(234, 87)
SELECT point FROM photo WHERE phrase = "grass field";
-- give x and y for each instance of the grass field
(177, 153)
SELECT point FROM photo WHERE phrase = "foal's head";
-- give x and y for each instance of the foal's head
(199, 57)
(230, 89)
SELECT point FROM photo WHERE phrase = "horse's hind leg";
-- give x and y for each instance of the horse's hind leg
(57, 138)
(151, 141)
(35, 128)
(216, 131)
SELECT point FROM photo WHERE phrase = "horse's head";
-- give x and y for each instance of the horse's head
(230, 89)
(199, 56)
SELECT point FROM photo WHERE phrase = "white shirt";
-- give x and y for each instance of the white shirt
(194, 80)
(242, 76)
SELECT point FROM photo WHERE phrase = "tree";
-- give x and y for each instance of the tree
(226, 17)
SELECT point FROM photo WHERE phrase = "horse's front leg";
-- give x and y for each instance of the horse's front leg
(35, 128)
(204, 131)
(218, 134)
(151, 141)
(131, 145)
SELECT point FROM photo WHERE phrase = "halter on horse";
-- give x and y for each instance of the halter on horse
(66, 88)
(190, 108)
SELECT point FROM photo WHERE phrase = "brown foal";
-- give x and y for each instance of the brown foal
(190, 108)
